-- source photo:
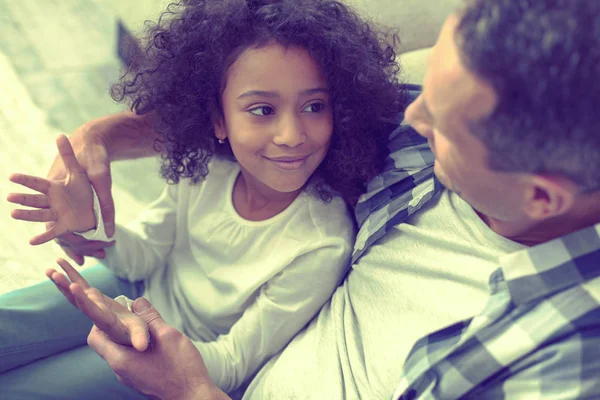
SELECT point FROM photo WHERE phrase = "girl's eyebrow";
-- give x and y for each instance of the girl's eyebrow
(309, 92)
(263, 93)
(258, 93)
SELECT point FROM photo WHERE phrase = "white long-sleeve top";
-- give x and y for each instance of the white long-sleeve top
(239, 289)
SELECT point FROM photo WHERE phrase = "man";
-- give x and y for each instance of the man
(490, 289)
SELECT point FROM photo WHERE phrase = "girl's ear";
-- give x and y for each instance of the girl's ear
(220, 129)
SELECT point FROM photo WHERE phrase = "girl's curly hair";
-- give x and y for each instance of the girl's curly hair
(182, 73)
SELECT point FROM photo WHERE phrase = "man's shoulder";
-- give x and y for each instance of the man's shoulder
(404, 186)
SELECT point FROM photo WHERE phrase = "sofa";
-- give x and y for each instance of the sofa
(417, 21)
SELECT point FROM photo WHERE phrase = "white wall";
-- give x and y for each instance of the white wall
(418, 21)
(134, 12)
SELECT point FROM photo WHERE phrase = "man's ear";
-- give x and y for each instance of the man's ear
(549, 197)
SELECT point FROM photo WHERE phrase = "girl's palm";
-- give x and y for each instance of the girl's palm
(110, 316)
(67, 204)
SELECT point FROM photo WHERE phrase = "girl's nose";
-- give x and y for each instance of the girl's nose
(290, 132)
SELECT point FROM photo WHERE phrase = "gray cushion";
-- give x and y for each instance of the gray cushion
(418, 21)
(413, 65)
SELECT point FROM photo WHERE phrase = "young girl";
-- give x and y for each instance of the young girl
(272, 113)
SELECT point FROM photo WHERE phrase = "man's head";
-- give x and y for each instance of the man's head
(509, 109)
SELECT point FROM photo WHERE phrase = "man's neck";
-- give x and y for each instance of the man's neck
(586, 213)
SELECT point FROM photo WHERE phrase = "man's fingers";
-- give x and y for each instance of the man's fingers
(105, 346)
(101, 344)
(65, 151)
(29, 200)
(32, 182)
(150, 315)
(72, 273)
(57, 171)
(46, 215)
(99, 176)
(107, 208)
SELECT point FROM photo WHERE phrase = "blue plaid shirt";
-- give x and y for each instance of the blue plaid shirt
(538, 336)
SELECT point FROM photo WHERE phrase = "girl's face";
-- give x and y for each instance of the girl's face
(278, 117)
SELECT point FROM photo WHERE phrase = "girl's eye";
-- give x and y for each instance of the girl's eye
(314, 108)
(262, 111)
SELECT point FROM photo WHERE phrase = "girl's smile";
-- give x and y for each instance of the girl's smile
(289, 163)
(278, 119)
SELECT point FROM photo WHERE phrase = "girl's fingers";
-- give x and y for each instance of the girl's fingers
(62, 284)
(73, 275)
(32, 182)
(139, 335)
(46, 215)
(87, 306)
(29, 200)
(99, 254)
(65, 150)
(87, 249)
(47, 236)
(59, 279)
(103, 317)
(78, 258)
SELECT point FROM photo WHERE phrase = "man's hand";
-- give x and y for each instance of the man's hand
(67, 204)
(113, 318)
(171, 368)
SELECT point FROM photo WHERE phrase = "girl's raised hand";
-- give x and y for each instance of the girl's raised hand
(67, 203)
(110, 316)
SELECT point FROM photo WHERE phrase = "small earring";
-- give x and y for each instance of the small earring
(221, 141)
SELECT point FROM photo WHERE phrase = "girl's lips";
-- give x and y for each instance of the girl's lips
(288, 158)
(289, 163)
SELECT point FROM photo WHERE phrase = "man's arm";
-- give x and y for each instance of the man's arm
(171, 368)
(125, 135)
(565, 369)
